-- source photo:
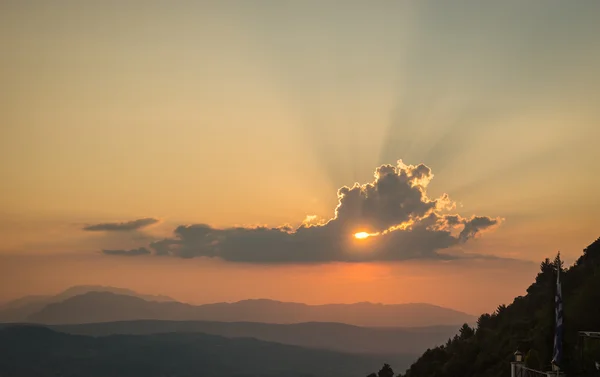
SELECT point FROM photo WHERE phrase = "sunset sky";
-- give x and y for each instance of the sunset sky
(143, 143)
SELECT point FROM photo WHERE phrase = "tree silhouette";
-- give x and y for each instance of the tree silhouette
(526, 324)
(546, 265)
(386, 371)
(466, 332)
(558, 263)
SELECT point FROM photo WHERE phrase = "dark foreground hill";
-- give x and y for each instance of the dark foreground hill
(528, 325)
(109, 307)
(32, 351)
(333, 336)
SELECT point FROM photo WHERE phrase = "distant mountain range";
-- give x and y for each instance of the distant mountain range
(107, 306)
(38, 351)
(20, 309)
(332, 336)
(311, 335)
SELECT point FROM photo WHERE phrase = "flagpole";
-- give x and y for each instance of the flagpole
(558, 311)
(556, 319)
(558, 299)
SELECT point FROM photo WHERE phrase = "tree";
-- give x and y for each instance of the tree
(558, 263)
(546, 266)
(500, 309)
(528, 323)
(386, 371)
(466, 332)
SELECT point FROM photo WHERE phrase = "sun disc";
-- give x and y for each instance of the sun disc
(361, 235)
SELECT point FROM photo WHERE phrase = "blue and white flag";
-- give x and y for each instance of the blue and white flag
(557, 355)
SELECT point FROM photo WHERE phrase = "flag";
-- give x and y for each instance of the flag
(558, 330)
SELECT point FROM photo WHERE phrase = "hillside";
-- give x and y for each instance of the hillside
(528, 325)
(20, 309)
(333, 336)
(109, 307)
(34, 351)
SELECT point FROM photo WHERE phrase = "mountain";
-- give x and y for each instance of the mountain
(333, 336)
(20, 309)
(528, 325)
(22, 302)
(110, 307)
(82, 289)
(34, 351)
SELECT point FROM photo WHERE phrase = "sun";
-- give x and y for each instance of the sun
(361, 235)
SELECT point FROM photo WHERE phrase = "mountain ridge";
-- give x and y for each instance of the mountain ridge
(19, 309)
(331, 336)
(40, 351)
(94, 307)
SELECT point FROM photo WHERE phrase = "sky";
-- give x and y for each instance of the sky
(218, 151)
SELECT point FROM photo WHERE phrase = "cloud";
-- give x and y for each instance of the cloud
(476, 225)
(121, 227)
(132, 252)
(404, 223)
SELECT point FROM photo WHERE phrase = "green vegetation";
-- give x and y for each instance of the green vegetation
(528, 325)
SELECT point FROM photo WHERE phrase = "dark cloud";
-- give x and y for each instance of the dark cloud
(131, 253)
(395, 196)
(453, 219)
(475, 225)
(121, 227)
(404, 222)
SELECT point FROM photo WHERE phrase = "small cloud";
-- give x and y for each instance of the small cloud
(129, 253)
(476, 225)
(122, 226)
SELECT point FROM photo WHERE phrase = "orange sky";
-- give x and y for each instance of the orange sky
(464, 286)
(244, 114)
